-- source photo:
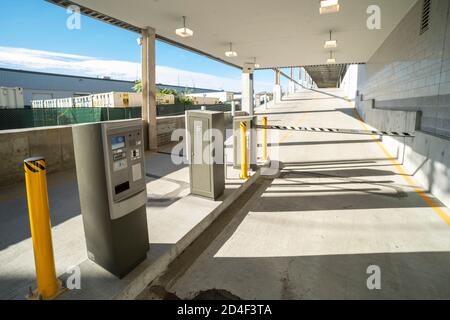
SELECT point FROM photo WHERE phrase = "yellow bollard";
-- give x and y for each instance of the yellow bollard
(244, 158)
(39, 212)
(264, 139)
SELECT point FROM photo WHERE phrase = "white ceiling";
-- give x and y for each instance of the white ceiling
(278, 33)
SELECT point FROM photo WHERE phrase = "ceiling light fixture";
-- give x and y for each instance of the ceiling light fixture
(330, 43)
(331, 60)
(184, 32)
(257, 65)
(231, 53)
(329, 6)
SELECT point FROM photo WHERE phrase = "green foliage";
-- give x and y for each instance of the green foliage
(183, 99)
(168, 91)
(138, 86)
(180, 97)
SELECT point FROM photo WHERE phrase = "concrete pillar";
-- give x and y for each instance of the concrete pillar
(247, 92)
(304, 77)
(233, 108)
(292, 83)
(248, 106)
(149, 86)
(277, 87)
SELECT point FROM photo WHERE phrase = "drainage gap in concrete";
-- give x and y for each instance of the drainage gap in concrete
(216, 294)
(160, 293)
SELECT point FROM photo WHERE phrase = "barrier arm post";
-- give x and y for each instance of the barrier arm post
(244, 157)
(264, 139)
(48, 286)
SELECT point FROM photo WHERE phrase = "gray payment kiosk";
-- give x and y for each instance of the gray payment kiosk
(206, 154)
(110, 165)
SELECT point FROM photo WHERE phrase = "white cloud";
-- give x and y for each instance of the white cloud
(54, 62)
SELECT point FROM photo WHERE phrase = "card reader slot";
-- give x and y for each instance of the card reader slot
(122, 187)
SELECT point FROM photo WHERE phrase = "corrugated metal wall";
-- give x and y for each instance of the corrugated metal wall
(62, 86)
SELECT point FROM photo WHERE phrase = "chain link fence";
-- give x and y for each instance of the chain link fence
(31, 118)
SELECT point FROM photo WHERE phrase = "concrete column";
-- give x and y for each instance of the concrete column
(248, 106)
(149, 86)
(303, 77)
(233, 108)
(247, 92)
(277, 87)
(292, 83)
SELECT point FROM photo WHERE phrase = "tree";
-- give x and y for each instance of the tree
(138, 86)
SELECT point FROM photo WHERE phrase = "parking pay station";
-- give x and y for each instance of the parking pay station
(110, 165)
(206, 152)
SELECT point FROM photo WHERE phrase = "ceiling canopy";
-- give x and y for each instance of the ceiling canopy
(278, 33)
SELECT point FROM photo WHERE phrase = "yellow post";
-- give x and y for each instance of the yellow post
(39, 212)
(264, 139)
(244, 158)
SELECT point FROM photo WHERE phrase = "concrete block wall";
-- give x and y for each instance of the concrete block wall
(166, 125)
(410, 72)
(409, 64)
(428, 159)
(54, 143)
(425, 157)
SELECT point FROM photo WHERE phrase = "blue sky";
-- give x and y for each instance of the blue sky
(38, 25)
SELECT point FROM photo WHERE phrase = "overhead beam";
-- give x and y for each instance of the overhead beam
(305, 66)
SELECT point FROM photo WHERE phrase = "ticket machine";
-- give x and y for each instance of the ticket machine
(110, 165)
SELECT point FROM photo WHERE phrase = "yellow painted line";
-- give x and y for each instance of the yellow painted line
(287, 134)
(430, 202)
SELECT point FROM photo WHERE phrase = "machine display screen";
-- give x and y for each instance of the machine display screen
(118, 142)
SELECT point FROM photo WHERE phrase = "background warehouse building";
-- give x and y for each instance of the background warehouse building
(45, 86)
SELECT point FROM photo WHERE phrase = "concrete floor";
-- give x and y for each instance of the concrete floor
(337, 207)
(174, 218)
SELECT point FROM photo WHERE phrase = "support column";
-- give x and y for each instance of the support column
(303, 77)
(149, 87)
(277, 88)
(248, 106)
(292, 83)
(247, 92)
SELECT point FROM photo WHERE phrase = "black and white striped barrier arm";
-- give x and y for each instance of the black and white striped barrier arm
(343, 131)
